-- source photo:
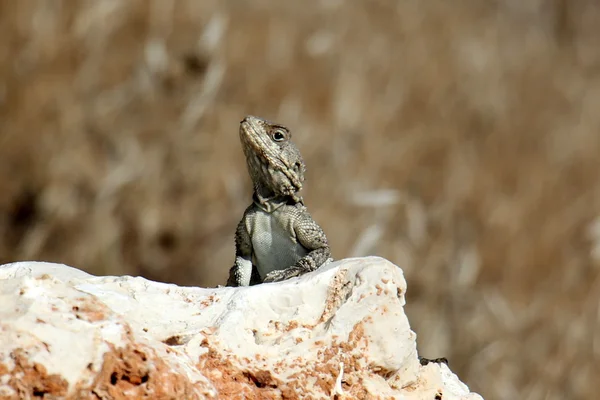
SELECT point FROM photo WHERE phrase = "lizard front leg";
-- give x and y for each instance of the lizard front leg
(241, 273)
(310, 235)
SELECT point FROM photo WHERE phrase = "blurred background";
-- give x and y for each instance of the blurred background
(458, 139)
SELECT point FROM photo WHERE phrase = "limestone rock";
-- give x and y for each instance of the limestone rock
(339, 332)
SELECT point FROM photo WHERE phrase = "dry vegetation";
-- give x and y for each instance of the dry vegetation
(459, 139)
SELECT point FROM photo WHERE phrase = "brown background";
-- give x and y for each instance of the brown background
(458, 139)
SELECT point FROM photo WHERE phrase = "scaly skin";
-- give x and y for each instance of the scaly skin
(276, 239)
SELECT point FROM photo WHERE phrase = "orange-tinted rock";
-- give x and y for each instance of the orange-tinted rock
(339, 332)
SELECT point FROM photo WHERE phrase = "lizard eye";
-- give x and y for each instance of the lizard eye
(279, 135)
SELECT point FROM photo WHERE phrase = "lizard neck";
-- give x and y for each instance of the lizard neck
(270, 204)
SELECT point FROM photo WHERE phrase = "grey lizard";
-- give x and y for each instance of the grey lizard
(276, 239)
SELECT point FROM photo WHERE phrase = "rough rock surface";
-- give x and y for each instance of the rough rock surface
(339, 332)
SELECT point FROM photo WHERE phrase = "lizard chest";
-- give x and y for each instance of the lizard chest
(274, 242)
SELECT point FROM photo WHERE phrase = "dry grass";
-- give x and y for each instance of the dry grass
(461, 140)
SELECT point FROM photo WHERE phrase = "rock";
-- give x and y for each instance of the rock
(339, 332)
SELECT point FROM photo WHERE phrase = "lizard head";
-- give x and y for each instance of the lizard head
(274, 162)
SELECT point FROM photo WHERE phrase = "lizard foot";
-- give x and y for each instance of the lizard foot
(282, 275)
(425, 361)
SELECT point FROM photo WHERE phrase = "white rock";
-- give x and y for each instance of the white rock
(68, 333)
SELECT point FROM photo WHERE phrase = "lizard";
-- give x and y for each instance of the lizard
(277, 238)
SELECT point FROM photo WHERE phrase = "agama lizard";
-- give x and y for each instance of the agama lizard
(277, 238)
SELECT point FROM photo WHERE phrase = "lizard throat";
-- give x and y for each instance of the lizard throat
(269, 180)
